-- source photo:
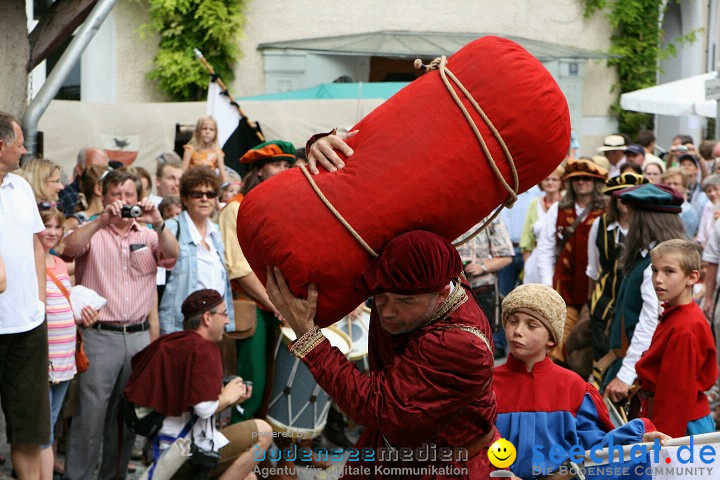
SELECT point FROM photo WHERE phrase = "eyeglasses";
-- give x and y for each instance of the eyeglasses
(45, 206)
(222, 314)
(583, 178)
(197, 194)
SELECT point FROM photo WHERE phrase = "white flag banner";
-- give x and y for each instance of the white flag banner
(225, 114)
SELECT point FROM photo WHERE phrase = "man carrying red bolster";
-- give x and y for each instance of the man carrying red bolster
(430, 384)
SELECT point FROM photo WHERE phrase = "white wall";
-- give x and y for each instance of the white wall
(680, 19)
(558, 21)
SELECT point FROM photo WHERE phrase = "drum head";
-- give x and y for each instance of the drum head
(359, 333)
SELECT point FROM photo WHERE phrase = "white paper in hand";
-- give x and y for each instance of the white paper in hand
(80, 297)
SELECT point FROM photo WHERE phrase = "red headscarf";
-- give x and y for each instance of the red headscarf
(411, 264)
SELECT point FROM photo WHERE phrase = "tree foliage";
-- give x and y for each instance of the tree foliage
(212, 26)
(636, 46)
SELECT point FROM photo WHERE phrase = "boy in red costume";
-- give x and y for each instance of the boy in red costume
(557, 407)
(680, 364)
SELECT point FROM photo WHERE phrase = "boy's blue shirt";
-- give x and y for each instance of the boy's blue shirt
(553, 406)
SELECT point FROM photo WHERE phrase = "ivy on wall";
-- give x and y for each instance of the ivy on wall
(212, 26)
(637, 44)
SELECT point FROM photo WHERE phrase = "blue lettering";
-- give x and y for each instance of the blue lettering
(656, 451)
(557, 454)
(275, 455)
(354, 455)
(291, 453)
(336, 454)
(577, 453)
(258, 453)
(368, 454)
(306, 454)
(707, 450)
(613, 449)
(642, 449)
(689, 449)
(538, 456)
(593, 453)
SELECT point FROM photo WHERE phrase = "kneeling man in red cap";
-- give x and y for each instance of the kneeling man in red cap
(428, 405)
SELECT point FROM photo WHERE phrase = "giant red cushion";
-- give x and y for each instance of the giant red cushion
(417, 165)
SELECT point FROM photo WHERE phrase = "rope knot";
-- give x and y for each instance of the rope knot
(434, 65)
(512, 198)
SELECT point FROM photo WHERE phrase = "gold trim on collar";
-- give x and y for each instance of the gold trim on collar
(452, 303)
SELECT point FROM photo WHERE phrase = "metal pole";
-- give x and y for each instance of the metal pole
(61, 71)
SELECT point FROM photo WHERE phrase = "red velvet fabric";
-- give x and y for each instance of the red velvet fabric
(417, 166)
(176, 372)
(431, 386)
(413, 263)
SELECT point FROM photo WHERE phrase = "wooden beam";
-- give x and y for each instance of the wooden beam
(56, 26)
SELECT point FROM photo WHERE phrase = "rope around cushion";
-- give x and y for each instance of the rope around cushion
(440, 64)
(336, 213)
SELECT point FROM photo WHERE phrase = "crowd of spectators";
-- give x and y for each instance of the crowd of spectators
(574, 232)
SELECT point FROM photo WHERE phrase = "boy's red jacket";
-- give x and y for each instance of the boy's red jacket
(679, 366)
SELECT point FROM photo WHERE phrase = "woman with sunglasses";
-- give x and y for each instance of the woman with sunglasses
(201, 260)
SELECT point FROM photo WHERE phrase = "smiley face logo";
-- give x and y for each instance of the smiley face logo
(502, 453)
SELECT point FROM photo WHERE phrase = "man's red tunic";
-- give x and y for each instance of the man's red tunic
(432, 386)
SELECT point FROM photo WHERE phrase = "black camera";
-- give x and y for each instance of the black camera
(202, 461)
(229, 378)
(130, 211)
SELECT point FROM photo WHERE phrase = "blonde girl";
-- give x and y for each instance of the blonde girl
(44, 178)
(203, 150)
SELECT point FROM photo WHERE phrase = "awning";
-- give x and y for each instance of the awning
(678, 98)
(335, 91)
(404, 44)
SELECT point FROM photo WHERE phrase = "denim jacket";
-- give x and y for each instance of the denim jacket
(183, 279)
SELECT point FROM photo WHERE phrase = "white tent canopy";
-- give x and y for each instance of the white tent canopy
(679, 98)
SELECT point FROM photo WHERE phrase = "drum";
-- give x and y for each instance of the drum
(359, 332)
(298, 406)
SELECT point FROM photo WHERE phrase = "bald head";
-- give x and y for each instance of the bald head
(716, 150)
(90, 156)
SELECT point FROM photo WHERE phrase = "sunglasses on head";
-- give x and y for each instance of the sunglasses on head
(45, 206)
(198, 194)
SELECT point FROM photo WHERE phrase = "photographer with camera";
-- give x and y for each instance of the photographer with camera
(118, 258)
(180, 375)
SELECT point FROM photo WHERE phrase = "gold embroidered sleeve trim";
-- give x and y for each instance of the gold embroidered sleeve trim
(304, 345)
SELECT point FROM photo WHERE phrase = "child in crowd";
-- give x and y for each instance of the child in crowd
(540, 403)
(681, 361)
(203, 149)
(228, 192)
(61, 328)
(170, 207)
